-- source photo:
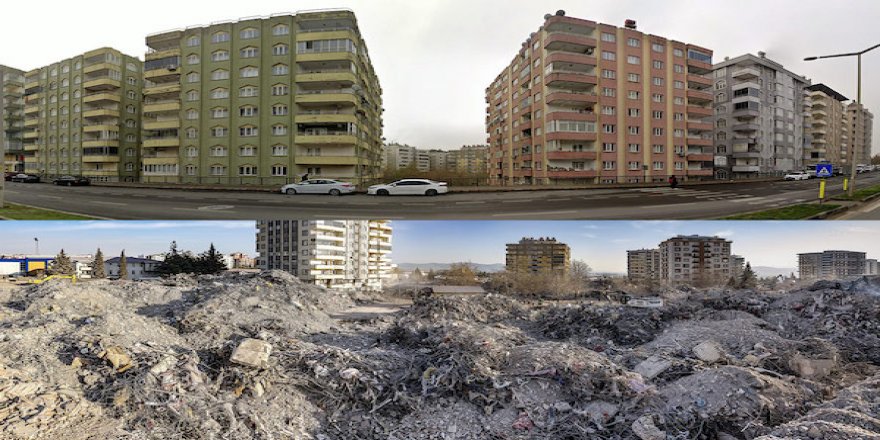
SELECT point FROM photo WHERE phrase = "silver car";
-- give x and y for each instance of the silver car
(319, 186)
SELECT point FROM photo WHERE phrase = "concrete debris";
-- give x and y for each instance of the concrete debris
(264, 356)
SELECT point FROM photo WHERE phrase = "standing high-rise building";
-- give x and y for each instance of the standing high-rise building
(831, 265)
(82, 117)
(829, 141)
(262, 100)
(12, 119)
(542, 255)
(643, 264)
(343, 254)
(860, 128)
(595, 103)
(759, 117)
(694, 259)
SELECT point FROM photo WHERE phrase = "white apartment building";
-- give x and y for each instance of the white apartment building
(337, 254)
(137, 268)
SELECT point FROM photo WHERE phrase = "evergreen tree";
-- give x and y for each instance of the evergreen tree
(98, 266)
(176, 262)
(62, 265)
(417, 275)
(431, 275)
(123, 266)
(748, 280)
(210, 262)
(732, 282)
(461, 274)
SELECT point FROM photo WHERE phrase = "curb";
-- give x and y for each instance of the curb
(843, 209)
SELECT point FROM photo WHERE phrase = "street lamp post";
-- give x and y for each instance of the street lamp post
(852, 155)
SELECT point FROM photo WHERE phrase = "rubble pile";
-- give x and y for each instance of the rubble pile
(264, 356)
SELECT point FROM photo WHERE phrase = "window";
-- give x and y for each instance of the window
(65, 96)
(248, 91)
(249, 33)
(608, 165)
(632, 59)
(192, 77)
(657, 131)
(657, 64)
(279, 170)
(220, 93)
(657, 47)
(190, 170)
(608, 147)
(678, 117)
(219, 151)
(65, 82)
(132, 81)
(607, 91)
(657, 97)
(192, 95)
(634, 148)
(678, 85)
(76, 94)
(678, 133)
(658, 165)
(193, 41)
(609, 74)
(249, 52)
(721, 97)
(279, 150)
(633, 129)
(280, 90)
(219, 132)
(679, 166)
(218, 170)
(279, 110)
(77, 79)
(634, 166)
(280, 49)
(608, 110)
(657, 114)
(247, 151)
(247, 110)
(192, 59)
(720, 85)
(280, 29)
(128, 108)
(633, 42)
(678, 68)
(247, 131)
(249, 72)
(609, 38)
(721, 123)
(609, 128)
(220, 55)
(678, 52)
(131, 94)
(219, 112)
(632, 77)
(633, 112)
(220, 37)
(658, 148)
(658, 81)
(247, 170)
(279, 69)
(279, 130)
(678, 100)
(608, 56)
(192, 152)
(633, 94)
(192, 133)
(220, 74)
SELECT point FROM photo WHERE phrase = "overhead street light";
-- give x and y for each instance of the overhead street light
(852, 154)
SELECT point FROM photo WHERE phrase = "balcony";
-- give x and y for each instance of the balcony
(101, 97)
(698, 125)
(162, 89)
(698, 82)
(32, 110)
(700, 157)
(746, 113)
(327, 160)
(699, 97)
(165, 124)
(102, 84)
(160, 54)
(570, 58)
(342, 138)
(747, 73)
(32, 122)
(700, 171)
(698, 141)
(570, 136)
(330, 33)
(344, 77)
(575, 43)
(571, 155)
(164, 142)
(746, 168)
(94, 128)
(101, 113)
(326, 56)
(327, 97)
(746, 127)
(162, 106)
(325, 118)
(748, 154)
(31, 135)
(99, 158)
(571, 98)
(162, 75)
(98, 67)
(571, 80)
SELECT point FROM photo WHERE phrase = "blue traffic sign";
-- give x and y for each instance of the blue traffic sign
(824, 170)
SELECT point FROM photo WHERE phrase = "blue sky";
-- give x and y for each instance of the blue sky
(602, 244)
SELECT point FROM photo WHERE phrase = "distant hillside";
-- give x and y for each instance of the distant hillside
(766, 271)
(444, 266)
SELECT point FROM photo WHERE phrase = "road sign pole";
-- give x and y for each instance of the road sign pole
(845, 184)
(821, 191)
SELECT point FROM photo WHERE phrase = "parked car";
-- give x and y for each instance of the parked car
(414, 187)
(797, 175)
(26, 178)
(7, 176)
(319, 186)
(72, 181)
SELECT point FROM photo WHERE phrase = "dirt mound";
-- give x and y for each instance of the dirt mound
(487, 309)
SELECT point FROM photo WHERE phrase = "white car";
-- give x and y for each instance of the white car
(319, 186)
(797, 175)
(409, 187)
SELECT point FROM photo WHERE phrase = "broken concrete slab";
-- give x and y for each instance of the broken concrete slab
(645, 429)
(252, 353)
(709, 351)
(652, 367)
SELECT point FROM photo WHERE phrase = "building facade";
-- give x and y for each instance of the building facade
(860, 129)
(831, 265)
(643, 264)
(12, 119)
(82, 117)
(541, 255)
(344, 254)
(469, 159)
(696, 260)
(136, 268)
(595, 103)
(872, 267)
(760, 110)
(262, 100)
(829, 140)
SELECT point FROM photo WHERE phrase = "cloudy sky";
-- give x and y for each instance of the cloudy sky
(436, 57)
(602, 244)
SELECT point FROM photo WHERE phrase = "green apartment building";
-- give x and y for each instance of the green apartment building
(82, 117)
(262, 101)
(12, 119)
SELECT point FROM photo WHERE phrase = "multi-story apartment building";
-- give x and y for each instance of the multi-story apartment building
(82, 117)
(827, 127)
(737, 266)
(590, 102)
(831, 265)
(872, 267)
(760, 108)
(860, 128)
(469, 159)
(643, 264)
(343, 254)
(694, 259)
(12, 119)
(542, 255)
(400, 157)
(262, 100)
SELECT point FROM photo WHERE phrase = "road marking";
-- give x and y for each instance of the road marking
(417, 204)
(111, 203)
(215, 208)
(524, 214)
(49, 197)
(748, 200)
(471, 203)
(517, 201)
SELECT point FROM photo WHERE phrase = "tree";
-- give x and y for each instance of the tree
(417, 275)
(98, 266)
(431, 275)
(875, 160)
(62, 265)
(748, 279)
(210, 262)
(732, 282)
(461, 274)
(123, 266)
(176, 262)
(579, 275)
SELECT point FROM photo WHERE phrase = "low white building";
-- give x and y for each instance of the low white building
(137, 268)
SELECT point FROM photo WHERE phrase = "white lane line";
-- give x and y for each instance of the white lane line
(526, 214)
(517, 201)
(471, 203)
(49, 197)
(111, 203)
(560, 200)
(748, 200)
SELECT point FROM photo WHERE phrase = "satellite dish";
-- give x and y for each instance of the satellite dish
(560, 13)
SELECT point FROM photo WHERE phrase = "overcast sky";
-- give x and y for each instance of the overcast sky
(436, 57)
(602, 244)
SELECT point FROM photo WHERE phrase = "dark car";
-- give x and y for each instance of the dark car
(7, 176)
(25, 178)
(72, 181)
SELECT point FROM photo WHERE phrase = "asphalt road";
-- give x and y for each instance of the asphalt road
(696, 202)
(870, 211)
